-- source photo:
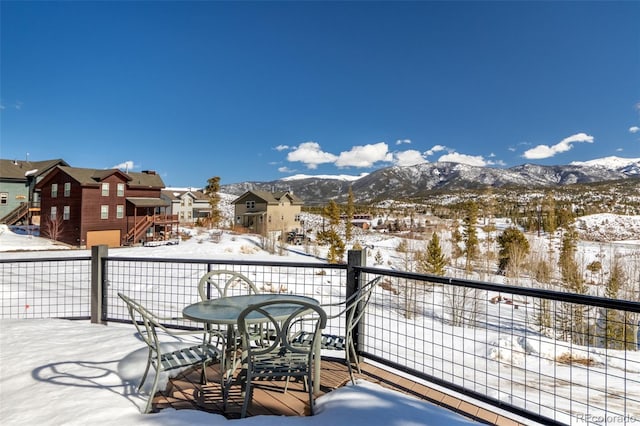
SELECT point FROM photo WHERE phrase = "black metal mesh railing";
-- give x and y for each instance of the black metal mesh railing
(166, 286)
(553, 357)
(45, 288)
(549, 356)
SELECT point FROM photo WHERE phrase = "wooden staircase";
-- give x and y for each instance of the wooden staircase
(16, 214)
(139, 229)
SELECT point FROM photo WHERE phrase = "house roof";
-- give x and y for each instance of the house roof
(20, 170)
(93, 177)
(269, 197)
(147, 202)
(174, 194)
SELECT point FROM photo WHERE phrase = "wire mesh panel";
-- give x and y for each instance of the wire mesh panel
(166, 286)
(546, 356)
(45, 288)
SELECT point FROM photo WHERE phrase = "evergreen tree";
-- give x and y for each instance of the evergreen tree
(212, 191)
(336, 245)
(469, 233)
(433, 261)
(510, 241)
(549, 222)
(348, 226)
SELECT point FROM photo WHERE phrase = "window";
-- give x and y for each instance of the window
(269, 220)
(251, 204)
(105, 189)
(120, 190)
(4, 197)
(297, 218)
(119, 211)
(54, 190)
(104, 212)
(54, 213)
(67, 189)
(66, 212)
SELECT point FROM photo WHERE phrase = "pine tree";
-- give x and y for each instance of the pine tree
(336, 245)
(348, 226)
(549, 222)
(212, 189)
(510, 241)
(469, 233)
(433, 261)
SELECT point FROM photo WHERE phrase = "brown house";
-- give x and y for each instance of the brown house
(87, 207)
(263, 212)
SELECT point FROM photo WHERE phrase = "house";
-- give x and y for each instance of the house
(189, 205)
(18, 200)
(87, 207)
(264, 212)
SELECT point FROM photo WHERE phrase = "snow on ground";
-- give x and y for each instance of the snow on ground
(609, 227)
(77, 373)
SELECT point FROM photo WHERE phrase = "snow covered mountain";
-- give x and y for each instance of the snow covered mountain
(424, 179)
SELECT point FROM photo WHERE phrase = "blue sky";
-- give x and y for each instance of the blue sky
(257, 91)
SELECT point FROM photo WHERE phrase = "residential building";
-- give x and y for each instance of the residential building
(264, 212)
(87, 207)
(189, 205)
(19, 203)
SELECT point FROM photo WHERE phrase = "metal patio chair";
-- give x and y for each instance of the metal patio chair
(353, 309)
(276, 356)
(187, 355)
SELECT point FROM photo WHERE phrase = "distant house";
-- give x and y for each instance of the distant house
(189, 205)
(263, 212)
(87, 207)
(19, 203)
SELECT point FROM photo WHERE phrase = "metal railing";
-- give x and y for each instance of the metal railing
(552, 357)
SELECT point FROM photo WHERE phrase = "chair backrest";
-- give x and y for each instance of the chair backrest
(224, 283)
(145, 321)
(356, 304)
(284, 318)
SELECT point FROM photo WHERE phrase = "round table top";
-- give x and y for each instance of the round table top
(226, 310)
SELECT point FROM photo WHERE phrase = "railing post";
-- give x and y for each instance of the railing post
(354, 282)
(97, 280)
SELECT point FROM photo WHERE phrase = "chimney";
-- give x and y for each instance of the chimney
(149, 172)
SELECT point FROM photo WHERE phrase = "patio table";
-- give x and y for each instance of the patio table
(226, 310)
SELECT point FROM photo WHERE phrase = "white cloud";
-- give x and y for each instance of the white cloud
(434, 149)
(402, 141)
(281, 147)
(311, 155)
(634, 129)
(285, 169)
(126, 166)
(410, 157)
(364, 156)
(546, 151)
(472, 160)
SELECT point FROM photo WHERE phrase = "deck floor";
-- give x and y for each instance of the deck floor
(186, 392)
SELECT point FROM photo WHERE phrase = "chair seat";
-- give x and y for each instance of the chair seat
(267, 365)
(327, 341)
(187, 357)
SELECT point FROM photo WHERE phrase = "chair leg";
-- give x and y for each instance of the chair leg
(153, 391)
(309, 381)
(248, 392)
(146, 371)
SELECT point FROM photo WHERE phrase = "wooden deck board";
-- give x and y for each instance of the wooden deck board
(186, 392)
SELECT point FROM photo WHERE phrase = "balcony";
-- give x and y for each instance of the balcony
(527, 354)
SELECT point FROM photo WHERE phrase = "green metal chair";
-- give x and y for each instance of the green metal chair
(188, 355)
(352, 309)
(276, 356)
(225, 283)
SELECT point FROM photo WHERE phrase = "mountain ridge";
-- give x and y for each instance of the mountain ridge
(402, 182)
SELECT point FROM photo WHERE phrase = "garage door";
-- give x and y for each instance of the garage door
(110, 238)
